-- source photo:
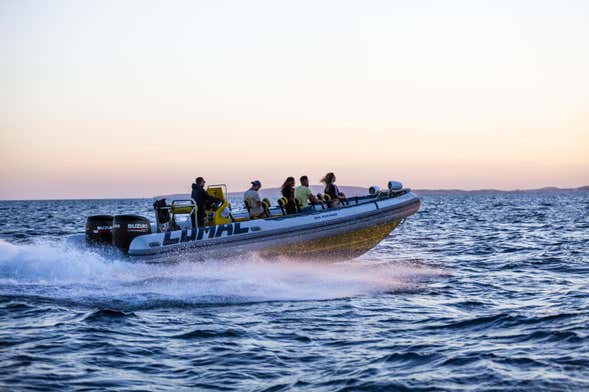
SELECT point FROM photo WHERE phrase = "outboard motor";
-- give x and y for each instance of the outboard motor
(127, 227)
(99, 229)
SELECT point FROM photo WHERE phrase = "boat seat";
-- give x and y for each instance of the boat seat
(282, 202)
(182, 209)
(298, 205)
(266, 205)
(343, 199)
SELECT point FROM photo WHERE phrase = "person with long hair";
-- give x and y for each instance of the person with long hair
(332, 190)
(288, 192)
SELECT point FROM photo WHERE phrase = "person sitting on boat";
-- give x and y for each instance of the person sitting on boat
(253, 202)
(336, 197)
(201, 197)
(304, 195)
(288, 192)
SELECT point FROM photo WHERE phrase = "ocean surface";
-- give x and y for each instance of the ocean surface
(475, 293)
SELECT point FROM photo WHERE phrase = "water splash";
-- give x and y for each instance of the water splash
(59, 271)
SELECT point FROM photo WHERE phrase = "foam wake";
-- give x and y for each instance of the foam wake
(59, 271)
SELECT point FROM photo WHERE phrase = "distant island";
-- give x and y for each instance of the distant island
(548, 189)
(274, 192)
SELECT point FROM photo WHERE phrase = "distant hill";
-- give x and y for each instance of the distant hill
(273, 193)
(549, 189)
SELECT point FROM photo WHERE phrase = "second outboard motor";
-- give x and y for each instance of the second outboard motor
(99, 229)
(127, 227)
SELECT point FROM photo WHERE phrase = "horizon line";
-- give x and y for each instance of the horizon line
(544, 188)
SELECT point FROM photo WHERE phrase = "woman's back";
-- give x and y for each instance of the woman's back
(331, 190)
(288, 192)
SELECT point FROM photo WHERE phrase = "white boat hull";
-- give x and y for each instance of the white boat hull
(332, 233)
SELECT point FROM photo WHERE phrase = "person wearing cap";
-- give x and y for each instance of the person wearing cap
(253, 202)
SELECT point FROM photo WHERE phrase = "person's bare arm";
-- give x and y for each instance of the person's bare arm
(313, 199)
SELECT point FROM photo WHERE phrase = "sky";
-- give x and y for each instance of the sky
(104, 99)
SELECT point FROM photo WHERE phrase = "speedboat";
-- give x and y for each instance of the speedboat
(343, 232)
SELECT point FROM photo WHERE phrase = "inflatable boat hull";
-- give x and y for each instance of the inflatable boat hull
(340, 233)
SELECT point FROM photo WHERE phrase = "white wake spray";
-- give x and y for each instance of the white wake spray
(57, 270)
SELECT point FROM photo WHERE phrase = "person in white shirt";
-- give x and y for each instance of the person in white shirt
(253, 202)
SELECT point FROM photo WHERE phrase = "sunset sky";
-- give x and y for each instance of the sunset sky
(136, 98)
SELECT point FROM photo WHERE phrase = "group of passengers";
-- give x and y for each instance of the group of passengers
(301, 196)
(299, 199)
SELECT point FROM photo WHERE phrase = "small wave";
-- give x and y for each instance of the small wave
(107, 314)
(59, 271)
(409, 359)
(502, 320)
(544, 336)
(205, 334)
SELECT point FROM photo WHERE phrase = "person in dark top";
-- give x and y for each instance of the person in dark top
(288, 192)
(331, 190)
(201, 197)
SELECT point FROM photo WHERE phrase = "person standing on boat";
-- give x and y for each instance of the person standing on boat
(201, 197)
(304, 195)
(332, 190)
(288, 192)
(253, 202)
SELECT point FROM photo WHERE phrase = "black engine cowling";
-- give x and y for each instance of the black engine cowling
(99, 229)
(127, 227)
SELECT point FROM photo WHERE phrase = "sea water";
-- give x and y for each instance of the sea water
(474, 292)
